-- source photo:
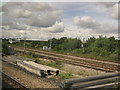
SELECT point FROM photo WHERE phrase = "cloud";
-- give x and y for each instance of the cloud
(43, 20)
(85, 22)
(24, 15)
(114, 11)
(108, 27)
(111, 8)
(57, 27)
(43, 33)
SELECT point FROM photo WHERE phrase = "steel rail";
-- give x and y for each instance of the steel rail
(15, 81)
(95, 64)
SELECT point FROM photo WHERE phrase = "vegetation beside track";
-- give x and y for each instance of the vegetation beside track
(64, 75)
(96, 48)
(32, 56)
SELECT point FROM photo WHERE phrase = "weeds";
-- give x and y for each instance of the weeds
(84, 73)
(56, 64)
(65, 75)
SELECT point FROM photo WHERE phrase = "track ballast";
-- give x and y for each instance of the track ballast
(90, 63)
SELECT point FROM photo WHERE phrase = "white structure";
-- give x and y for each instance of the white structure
(10, 41)
(45, 48)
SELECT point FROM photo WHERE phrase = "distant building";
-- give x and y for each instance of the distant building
(49, 48)
(45, 48)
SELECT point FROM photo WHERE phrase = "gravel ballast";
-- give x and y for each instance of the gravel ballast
(28, 80)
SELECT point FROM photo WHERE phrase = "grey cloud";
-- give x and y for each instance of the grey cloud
(87, 22)
(114, 11)
(108, 7)
(21, 15)
(108, 27)
(40, 33)
(12, 23)
(105, 4)
(57, 28)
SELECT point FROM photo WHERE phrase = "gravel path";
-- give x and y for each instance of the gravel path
(29, 80)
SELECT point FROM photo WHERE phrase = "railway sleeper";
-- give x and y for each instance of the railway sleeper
(84, 64)
(89, 64)
(63, 56)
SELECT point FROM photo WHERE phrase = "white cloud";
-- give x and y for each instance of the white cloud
(35, 33)
(57, 27)
(111, 8)
(110, 27)
(38, 20)
(42, 20)
(85, 22)
(114, 11)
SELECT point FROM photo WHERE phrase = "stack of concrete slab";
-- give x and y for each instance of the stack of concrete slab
(38, 69)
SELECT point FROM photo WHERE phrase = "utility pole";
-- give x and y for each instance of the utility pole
(24, 42)
(24, 45)
(50, 44)
(83, 44)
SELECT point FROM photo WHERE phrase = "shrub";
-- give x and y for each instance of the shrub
(33, 55)
(104, 53)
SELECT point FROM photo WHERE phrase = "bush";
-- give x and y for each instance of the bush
(33, 55)
(96, 50)
(115, 57)
(104, 53)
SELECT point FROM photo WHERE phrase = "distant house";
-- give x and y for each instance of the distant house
(45, 48)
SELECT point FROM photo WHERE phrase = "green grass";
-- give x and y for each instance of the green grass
(110, 57)
(55, 64)
(65, 75)
(30, 55)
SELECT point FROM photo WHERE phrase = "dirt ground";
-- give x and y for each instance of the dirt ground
(81, 71)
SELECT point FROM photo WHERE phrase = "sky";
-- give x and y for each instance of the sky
(44, 20)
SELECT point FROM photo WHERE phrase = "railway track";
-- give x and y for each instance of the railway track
(12, 82)
(90, 63)
(40, 81)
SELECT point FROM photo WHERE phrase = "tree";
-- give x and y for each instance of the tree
(89, 41)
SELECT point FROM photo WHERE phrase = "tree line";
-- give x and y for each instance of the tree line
(99, 48)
